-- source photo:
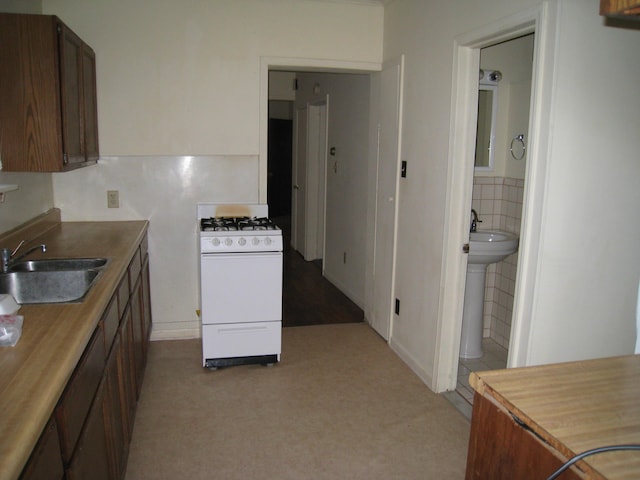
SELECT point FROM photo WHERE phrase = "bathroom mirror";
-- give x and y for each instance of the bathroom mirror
(485, 131)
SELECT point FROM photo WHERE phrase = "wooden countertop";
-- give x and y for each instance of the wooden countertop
(33, 374)
(575, 407)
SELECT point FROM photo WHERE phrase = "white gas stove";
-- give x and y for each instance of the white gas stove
(240, 285)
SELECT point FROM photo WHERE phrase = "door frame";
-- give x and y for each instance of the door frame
(541, 20)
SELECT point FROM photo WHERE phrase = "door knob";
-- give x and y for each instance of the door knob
(465, 248)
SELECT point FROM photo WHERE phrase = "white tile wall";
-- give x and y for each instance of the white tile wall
(498, 201)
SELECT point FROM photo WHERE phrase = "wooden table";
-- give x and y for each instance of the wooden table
(528, 421)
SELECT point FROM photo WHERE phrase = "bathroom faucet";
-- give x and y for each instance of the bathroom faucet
(7, 255)
(474, 221)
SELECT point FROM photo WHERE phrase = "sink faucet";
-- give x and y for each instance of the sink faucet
(7, 255)
(474, 221)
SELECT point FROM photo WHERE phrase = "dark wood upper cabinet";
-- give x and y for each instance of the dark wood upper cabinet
(48, 108)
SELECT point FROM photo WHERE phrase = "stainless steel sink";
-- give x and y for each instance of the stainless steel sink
(51, 280)
(57, 264)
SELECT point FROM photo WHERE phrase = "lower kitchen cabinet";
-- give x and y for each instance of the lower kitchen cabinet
(114, 413)
(90, 460)
(528, 422)
(79, 395)
(146, 308)
(503, 448)
(126, 372)
(89, 434)
(45, 462)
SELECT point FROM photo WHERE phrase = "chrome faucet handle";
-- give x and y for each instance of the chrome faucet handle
(15, 250)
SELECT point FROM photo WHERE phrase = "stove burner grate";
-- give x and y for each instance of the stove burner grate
(221, 224)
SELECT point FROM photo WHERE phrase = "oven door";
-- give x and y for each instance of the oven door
(241, 287)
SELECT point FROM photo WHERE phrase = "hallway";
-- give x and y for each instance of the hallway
(308, 298)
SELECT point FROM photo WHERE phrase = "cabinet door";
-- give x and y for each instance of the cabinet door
(110, 324)
(45, 462)
(90, 105)
(126, 371)
(116, 426)
(30, 122)
(71, 90)
(501, 449)
(79, 393)
(146, 307)
(90, 459)
(137, 324)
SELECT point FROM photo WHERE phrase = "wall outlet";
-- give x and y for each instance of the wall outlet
(113, 199)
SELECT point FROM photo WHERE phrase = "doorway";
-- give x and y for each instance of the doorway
(309, 291)
(351, 166)
(466, 65)
(498, 190)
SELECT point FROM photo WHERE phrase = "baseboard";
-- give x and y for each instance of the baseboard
(355, 299)
(411, 362)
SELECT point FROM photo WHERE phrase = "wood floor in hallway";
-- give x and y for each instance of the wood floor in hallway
(308, 298)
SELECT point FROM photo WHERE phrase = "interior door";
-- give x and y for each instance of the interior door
(315, 181)
(299, 175)
(389, 126)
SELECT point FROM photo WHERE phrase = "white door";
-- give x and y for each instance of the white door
(299, 176)
(315, 182)
(381, 304)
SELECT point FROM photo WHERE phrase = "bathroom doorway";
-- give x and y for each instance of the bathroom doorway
(499, 178)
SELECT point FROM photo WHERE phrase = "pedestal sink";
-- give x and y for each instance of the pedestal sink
(485, 247)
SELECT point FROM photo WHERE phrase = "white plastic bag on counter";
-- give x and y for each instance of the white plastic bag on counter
(10, 330)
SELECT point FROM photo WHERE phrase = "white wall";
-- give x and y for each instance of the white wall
(33, 197)
(590, 261)
(514, 59)
(182, 78)
(164, 190)
(584, 294)
(177, 79)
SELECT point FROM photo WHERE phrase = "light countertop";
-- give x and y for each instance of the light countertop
(576, 406)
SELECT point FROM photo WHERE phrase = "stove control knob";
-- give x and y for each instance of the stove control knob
(267, 241)
(255, 240)
(228, 242)
(242, 241)
(215, 242)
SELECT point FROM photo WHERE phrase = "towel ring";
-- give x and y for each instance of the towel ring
(518, 138)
